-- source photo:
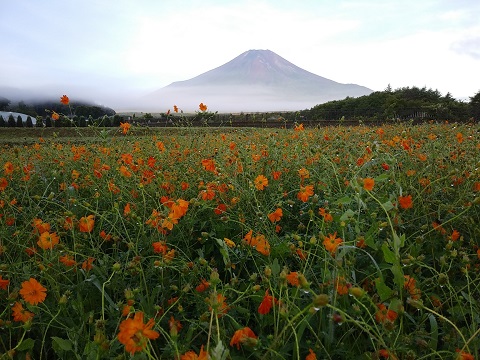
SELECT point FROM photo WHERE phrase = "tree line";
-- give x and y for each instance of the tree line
(75, 114)
(401, 104)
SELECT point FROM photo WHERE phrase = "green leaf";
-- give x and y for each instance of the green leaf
(388, 254)
(344, 200)
(347, 215)
(223, 251)
(398, 241)
(26, 344)
(220, 352)
(469, 298)
(398, 275)
(61, 344)
(383, 290)
(433, 343)
(396, 305)
(382, 178)
(275, 267)
(387, 205)
(370, 236)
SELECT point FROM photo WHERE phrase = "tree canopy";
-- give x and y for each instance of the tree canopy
(400, 104)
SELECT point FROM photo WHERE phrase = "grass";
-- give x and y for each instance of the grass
(332, 243)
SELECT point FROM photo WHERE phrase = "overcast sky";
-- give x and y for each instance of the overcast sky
(110, 50)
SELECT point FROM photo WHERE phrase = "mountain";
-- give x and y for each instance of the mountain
(257, 80)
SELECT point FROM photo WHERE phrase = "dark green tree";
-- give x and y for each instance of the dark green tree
(19, 121)
(39, 122)
(48, 121)
(29, 122)
(474, 106)
(11, 121)
(3, 123)
(107, 121)
(117, 119)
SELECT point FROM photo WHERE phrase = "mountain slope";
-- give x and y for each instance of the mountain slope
(257, 80)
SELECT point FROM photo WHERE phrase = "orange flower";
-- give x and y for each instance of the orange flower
(20, 314)
(125, 127)
(124, 171)
(169, 256)
(405, 202)
(292, 278)
(326, 216)
(65, 100)
(204, 285)
(331, 243)
(305, 193)
(160, 247)
(217, 303)
(86, 223)
(383, 314)
(48, 240)
(192, 355)
(87, 264)
(175, 108)
(127, 210)
(276, 215)
(303, 173)
(41, 226)
(107, 237)
(243, 336)
(55, 116)
(266, 304)
(67, 260)
(8, 168)
(220, 209)
(207, 194)
(209, 165)
(3, 184)
(340, 286)
(464, 355)
(259, 243)
(202, 107)
(476, 186)
(261, 182)
(455, 235)
(311, 355)
(33, 292)
(410, 285)
(4, 283)
(384, 353)
(368, 184)
(175, 326)
(134, 334)
(160, 146)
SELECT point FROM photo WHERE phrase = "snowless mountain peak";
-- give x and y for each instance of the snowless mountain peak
(257, 80)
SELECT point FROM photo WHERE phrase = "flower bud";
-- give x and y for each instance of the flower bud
(357, 292)
(320, 300)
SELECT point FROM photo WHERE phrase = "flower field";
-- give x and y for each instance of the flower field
(326, 243)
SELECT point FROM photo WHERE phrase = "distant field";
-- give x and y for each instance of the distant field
(88, 134)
